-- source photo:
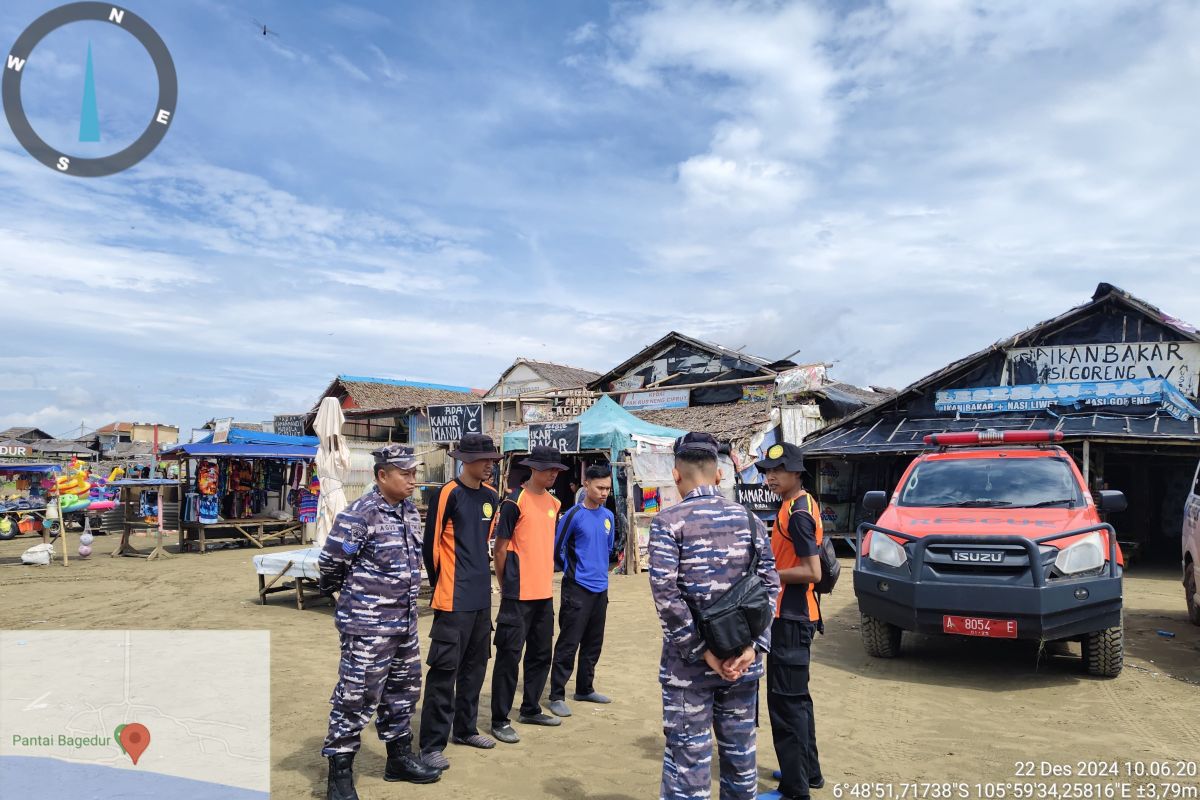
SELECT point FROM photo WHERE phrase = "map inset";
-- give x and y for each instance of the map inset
(133, 714)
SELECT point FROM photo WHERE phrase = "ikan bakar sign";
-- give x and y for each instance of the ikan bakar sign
(1177, 363)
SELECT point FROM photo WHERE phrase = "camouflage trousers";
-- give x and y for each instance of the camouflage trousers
(690, 715)
(375, 672)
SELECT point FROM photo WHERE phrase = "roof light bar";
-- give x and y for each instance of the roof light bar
(994, 437)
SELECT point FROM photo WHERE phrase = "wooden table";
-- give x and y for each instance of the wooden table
(124, 548)
(259, 531)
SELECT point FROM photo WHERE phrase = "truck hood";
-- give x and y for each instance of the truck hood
(1032, 523)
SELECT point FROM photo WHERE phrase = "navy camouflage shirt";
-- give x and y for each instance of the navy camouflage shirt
(698, 550)
(373, 555)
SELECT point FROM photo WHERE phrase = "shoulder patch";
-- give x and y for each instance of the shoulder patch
(349, 547)
(608, 524)
(488, 510)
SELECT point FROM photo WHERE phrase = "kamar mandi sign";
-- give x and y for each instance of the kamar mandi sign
(450, 423)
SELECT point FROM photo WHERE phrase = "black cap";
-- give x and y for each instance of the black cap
(786, 455)
(475, 447)
(698, 442)
(396, 455)
(542, 457)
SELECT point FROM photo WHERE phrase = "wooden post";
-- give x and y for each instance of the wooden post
(1087, 464)
(632, 558)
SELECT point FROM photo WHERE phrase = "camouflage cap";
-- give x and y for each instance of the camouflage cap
(396, 455)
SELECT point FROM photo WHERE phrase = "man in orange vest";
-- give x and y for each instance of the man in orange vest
(525, 568)
(457, 527)
(795, 540)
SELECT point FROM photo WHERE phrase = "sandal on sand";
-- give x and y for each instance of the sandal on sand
(476, 740)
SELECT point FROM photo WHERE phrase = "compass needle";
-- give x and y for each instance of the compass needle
(89, 118)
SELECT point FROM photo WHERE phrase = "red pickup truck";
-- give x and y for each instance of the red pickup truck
(993, 534)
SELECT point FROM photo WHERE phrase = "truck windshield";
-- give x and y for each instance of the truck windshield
(993, 483)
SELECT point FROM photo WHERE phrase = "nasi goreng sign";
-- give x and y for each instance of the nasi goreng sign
(1175, 362)
(1039, 396)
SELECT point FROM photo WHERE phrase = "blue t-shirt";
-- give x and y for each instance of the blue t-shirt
(582, 545)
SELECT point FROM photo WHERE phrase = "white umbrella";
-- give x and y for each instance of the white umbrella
(333, 465)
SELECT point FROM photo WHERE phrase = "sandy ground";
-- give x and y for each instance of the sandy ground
(947, 710)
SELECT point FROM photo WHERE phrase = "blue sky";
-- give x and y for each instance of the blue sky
(429, 190)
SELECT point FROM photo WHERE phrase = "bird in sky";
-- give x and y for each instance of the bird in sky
(264, 29)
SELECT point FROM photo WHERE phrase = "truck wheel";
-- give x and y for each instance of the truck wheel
(1189, 588)
(1104, 652)
(881, 639)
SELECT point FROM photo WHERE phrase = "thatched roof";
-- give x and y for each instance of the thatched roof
(727, 422)
(560, 376)
(1106, 295)
(25, 434)
(360, 395)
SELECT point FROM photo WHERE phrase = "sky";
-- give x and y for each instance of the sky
(428, 191)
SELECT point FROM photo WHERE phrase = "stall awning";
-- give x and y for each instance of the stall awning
(30, 468)
(201, 450)
(144, 482)
(895, 435)
(243, 436)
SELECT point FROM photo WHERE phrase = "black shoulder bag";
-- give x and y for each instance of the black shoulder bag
(732, 622)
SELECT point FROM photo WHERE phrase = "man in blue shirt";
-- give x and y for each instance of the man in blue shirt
(581, 550)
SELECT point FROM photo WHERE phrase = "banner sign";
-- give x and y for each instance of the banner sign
(221, 430)
(290, 424)
(656, 398)
(756, 497)
(450, 423)
(1178, 363)
(14, 451)
(563, 436)
(1039, 396)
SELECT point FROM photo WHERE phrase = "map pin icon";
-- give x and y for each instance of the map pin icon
(134, 740)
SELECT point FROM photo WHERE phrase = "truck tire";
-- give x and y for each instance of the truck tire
(1104, 652)
(1189, 588)
(881, 639)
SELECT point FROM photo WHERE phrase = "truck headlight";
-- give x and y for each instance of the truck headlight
(1082, 556)
(884, 550)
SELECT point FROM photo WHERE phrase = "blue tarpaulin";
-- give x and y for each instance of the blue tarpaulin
(208, 450)
(604, 426)
(1078, 395)
(144, 482)
(30, 468)
(242, 436)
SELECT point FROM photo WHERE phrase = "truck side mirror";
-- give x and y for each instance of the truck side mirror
(876, 502)
(1111, 502)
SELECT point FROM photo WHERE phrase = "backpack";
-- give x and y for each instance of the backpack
(831, 568)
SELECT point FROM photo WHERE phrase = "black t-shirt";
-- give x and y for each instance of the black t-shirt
(457, 527)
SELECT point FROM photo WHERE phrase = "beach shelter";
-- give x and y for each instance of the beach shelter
(332, 463)
(604, 426)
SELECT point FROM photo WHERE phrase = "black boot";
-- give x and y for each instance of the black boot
(403, 765)
(341, 777)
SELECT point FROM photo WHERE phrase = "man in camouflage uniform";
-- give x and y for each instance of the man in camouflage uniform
(698, 549)
(372, 557)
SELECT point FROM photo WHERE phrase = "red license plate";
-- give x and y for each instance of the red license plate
(980, 626)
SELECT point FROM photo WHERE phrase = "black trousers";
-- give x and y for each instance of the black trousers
(793, 726)
(581, 617)
(527, 624)
(458, 654)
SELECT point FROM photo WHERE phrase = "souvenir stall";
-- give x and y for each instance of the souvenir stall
(24, 491)
(606, 433)
(262, 493)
